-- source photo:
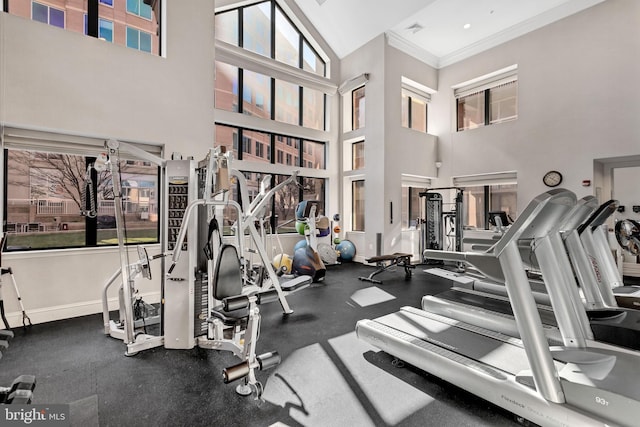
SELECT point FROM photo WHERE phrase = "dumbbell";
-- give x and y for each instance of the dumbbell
(17, 389)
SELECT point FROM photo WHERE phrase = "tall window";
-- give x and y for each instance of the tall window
(287, 102)
(287, 40)
(113, 21)
(226, 87)
(247, 87)
(357, 102)
(46, 193)
(313, 102)
(357, 155)
(478, 201)
(414, 111)
(265, 29)
(411, 211)
(257, 147)
(256, 94)
(259, 35)
(488, 100)
(313, 155)
(256, 35)
(357, 205)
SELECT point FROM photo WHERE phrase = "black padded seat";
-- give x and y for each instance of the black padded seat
(231, 318)
(228, 283)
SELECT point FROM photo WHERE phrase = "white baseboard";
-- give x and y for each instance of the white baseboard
(67, 311)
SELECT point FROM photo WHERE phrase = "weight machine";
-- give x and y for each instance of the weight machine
(441, 227)
(207, 301)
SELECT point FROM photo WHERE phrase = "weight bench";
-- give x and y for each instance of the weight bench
(385, 262)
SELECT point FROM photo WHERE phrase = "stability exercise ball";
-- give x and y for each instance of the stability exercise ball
(347, 250)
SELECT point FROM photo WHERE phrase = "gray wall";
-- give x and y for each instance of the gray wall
(390, 150)
(578, 101)
(53, 79)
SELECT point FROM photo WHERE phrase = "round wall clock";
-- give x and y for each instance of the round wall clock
(552, 178)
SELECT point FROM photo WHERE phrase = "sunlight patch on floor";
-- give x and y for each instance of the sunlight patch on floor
(311, 386)
(370, 296)
(393, 398)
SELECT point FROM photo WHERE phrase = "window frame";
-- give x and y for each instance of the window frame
(488, 190)
(483, 87)
(354, 207)
(410, 98)
(305, 149)
(355, 118)
(357, 146)
(25, 140)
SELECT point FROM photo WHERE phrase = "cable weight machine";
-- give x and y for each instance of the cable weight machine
(441, 226)
(207, 297)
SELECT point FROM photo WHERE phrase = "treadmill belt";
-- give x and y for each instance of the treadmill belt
(494, 352)
(492, 304)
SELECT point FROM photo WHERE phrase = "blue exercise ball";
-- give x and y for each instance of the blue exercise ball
(347, 250)
(301, 244)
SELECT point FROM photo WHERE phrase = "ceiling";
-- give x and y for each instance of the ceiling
(439, 32)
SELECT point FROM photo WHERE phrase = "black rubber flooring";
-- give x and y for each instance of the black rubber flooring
(76, 364)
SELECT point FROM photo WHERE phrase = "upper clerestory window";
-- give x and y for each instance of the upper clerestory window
(487, 100)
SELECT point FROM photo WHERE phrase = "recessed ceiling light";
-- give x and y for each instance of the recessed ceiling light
(466, 26)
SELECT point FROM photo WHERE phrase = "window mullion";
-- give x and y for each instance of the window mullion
(300, 51)
(300, 105)
(273, 98)
(487, 208)
(487, 104)
(273, 29)
(324, 113)
(241, 26)
(240, 90)
(5, 164)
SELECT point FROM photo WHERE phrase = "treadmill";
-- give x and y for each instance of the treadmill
(608, 322)
(568, 384)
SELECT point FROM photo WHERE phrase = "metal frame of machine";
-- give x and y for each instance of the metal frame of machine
(193, 192)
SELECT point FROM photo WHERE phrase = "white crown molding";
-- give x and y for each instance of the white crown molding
(402, 44)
